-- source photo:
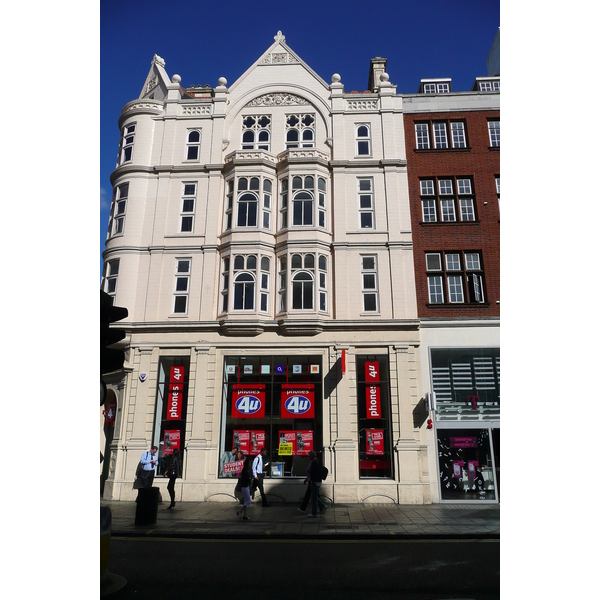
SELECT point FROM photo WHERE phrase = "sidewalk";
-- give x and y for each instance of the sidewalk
(346, 521)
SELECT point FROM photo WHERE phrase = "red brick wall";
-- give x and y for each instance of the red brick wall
(482, 165)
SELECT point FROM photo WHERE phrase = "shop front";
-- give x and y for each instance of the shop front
(466, 384)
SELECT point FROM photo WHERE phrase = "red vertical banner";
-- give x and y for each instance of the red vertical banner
(248, 401)
(175, 394)
(171, 440)
(374, 442)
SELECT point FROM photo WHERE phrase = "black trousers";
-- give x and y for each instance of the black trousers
(147, 478)
(258, 483)
(306, 498)
(171, 488)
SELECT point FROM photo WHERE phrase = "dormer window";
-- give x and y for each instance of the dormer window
(436, 87)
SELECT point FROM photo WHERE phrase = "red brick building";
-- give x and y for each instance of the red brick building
(453, 163)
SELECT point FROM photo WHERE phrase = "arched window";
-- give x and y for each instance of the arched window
(308, 138)
(291, 139)
(243, 292)
(193, 145)
(302, 205)
(363, 141)
(302, 291)
(247, 210)
(256, 132)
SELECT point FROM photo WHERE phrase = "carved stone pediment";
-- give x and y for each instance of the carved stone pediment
(278, 99)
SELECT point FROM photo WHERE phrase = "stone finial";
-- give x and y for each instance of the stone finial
(384, 78)
(176, 78)
(158, 60)
(279, 37)
(222, 81)
(335, 78)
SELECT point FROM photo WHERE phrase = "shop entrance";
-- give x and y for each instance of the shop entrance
(467, 464)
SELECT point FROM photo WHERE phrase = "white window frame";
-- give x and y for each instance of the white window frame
(305, 123)
(239, 279)
(322, 202)
(190, 146)
(322, 273)
(494, 133)
(267, 203)
(282, 282)
(308, 263)
(422, 136)
(362, 139)
(440, 141)
(265, 283)
(305, 197)
(370, 289)
(284, 203)
(365, 194)
(225, 279)
(127, 142)
(229, 192)
(119, 208)
(187, 215)
(459, 139)
(111, 277)
(260, 128)
(182, 276)
(253, 195)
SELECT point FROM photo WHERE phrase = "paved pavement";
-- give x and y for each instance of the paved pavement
(350, 521)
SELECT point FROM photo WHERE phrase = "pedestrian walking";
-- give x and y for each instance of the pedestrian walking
(173, 472)
(245, 479)
(304, 503)
(257, 473)
(315, 485)
(149, 462)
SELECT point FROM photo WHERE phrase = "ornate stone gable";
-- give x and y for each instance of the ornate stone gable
(280, 55)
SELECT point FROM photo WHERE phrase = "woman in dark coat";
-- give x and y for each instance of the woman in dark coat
(173, 472)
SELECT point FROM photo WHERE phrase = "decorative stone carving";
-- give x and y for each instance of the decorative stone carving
(151, 83)
(278, 99)
(196, 110)
(279, 37)
(362, 104)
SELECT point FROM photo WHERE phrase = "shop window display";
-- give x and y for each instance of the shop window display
(373, 398)
(171, 408)
(466, 465)
(273, 402)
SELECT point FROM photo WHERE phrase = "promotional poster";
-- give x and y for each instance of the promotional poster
(374, 442)
(171, 440)
(301, 442)
(249, 441)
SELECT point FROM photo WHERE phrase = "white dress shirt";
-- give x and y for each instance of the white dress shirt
(257, 466)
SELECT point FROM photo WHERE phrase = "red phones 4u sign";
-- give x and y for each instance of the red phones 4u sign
(175, 398)
(298, 401)
(373, 391)
(248, 401)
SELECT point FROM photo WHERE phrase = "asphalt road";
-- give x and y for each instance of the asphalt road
(286, 569)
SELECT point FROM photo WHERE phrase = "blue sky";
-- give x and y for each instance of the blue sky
(201, 42)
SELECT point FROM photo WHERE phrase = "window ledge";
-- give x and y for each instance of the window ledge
(435, 223)
(495, 148)
(429, 150)
(457, 304)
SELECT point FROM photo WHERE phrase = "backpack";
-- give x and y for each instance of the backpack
(324, 473)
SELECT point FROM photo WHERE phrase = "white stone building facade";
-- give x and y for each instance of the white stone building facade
(260, 235)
